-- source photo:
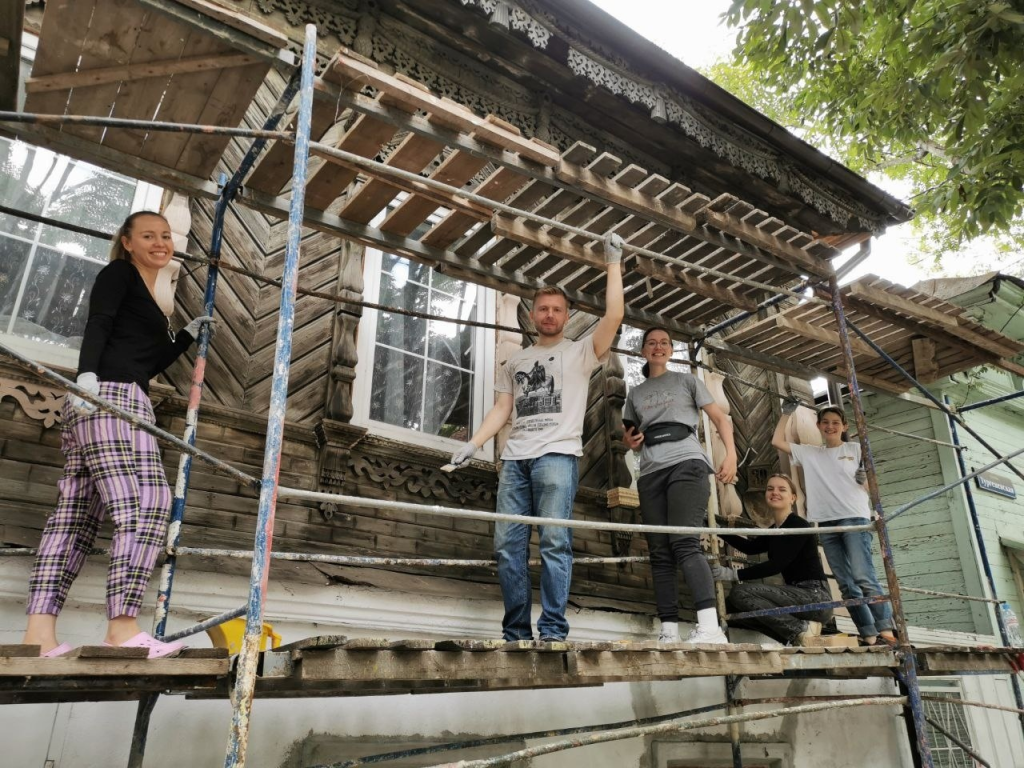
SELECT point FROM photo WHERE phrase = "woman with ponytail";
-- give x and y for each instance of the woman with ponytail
(660, 418)
(112, 467)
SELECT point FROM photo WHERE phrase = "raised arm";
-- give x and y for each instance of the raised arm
(779, 440)
(727, 472)
(614, 307)
(495, 419)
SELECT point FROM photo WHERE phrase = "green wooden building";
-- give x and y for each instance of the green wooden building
(935, 546)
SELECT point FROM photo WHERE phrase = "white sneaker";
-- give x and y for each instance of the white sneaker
(705, 637)
(669, 632)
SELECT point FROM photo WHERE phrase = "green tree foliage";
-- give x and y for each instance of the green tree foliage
(927, 91)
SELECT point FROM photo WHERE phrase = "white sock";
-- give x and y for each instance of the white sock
(707, 620)
(670, 628)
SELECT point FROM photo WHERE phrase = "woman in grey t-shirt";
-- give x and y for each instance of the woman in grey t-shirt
(673, 485)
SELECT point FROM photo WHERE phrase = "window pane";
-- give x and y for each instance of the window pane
(449, 284)
(25, 175)
(55, 303)
(402, 331)
(448, 408)
(397, 396)
(403, 270)
(89, 197)
(13, 260)
(451, 343)
(39, 181)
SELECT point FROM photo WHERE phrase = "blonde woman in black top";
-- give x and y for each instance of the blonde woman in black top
(795, 558)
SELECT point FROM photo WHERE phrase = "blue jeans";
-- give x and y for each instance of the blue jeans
(849, 556)
(541, 487)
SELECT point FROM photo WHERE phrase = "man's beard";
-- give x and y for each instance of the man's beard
(549, 333)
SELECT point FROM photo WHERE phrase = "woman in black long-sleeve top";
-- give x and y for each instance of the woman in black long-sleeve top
(795, 558)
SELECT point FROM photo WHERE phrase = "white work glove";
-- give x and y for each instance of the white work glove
(789, 407)
(464, 454)
(91, 384)
(613, 249)
(193, 328)
(861, 475)
(724, 573)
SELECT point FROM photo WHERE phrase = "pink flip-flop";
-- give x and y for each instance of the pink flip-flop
(156, 648)
(60, 650)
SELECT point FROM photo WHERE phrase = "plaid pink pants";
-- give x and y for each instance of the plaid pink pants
(112, 468)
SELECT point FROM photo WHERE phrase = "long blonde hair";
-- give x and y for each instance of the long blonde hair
(117, 249)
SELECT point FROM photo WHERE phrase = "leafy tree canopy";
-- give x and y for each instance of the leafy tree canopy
(930, 92)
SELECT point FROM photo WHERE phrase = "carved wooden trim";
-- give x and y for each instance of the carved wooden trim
(396, 474)
(38, 401)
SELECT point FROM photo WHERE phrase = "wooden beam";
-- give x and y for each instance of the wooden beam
(239, 21)
(888, 300)
(778, 247)
(515, 229)
(130, 72)
(232, 29)
(508, 281)
(355, 68)
(978, 356)
(12, 21)
(949, 323)
(672, 275)
(538, 668)
(925, 366)
(882, 385)
(817, 333)
(629, 201)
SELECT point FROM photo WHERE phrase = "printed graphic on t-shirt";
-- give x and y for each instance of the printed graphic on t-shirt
(539, 387)
(657, 398)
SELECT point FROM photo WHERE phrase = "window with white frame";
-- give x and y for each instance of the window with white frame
(423, 381)
(951, 719)
(46, 271)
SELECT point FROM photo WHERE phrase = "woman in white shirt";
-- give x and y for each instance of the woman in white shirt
(836, 497)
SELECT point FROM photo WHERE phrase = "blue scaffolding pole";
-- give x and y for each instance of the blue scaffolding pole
(229, 189)
(245, 682)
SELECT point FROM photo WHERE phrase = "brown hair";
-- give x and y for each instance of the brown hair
(117, 249)
(551, 290)
(646, 370)
(838, 412)
(789, 481)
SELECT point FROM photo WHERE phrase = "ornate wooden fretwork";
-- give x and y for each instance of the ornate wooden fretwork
(395, 474)
(39, 402)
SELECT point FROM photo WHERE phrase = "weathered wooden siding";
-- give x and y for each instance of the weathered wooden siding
(925, 539)
(1002, 426)
(221, 514)
(240, 363)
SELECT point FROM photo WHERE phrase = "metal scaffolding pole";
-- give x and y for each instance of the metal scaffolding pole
(983, 554)
(928, 394)
(992, 401)
(909, 663)
(245, 683)
(229, 189)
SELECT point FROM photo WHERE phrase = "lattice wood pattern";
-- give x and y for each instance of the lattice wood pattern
(405, 126)
(927, 336)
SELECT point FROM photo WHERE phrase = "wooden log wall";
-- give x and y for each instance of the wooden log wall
(221, 514)
(239, 368)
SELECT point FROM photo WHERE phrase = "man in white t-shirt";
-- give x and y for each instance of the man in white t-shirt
(544, 389)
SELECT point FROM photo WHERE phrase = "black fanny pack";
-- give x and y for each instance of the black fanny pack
(666, 432)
